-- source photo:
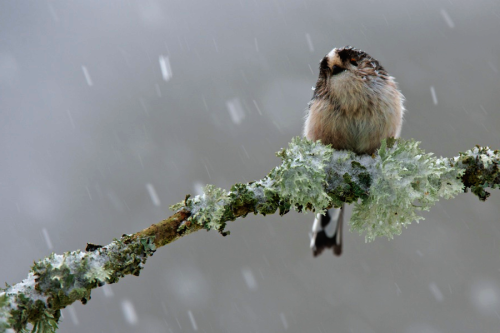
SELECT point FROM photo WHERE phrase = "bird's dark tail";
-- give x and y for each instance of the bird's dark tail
(327, 232)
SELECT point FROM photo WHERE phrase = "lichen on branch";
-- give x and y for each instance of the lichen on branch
(388, 190)
(60, 280)
(405, 180)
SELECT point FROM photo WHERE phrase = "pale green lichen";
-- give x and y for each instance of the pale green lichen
(4, 312)
(482, 170)
(266, 197)
(206, 209)
(209, 208)
(59, 280)
(98, 274)
(349, 177)
(388, 189)
(451, 183)
(21, 304)
(393, 187)
(301, 178)
(405, 180)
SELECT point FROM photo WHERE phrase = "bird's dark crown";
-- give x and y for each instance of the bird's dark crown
(348, 52)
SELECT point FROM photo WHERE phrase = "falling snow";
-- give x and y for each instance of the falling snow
(107, 290)
(283, 320)
(188, 285)
(235, 110)
(129, 312)
(153, 195)
(485, 296)
(249, 278)
(166, 71)
(434, 97)
(47, 238)
(309, 43)
(257, 106)
(72, 315)
(447, 19)
(438, 295)
(88, 79)
(193, 322)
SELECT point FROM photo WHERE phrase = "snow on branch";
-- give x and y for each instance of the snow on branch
(388, 190)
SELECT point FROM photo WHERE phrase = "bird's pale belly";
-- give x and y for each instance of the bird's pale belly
(359, 134)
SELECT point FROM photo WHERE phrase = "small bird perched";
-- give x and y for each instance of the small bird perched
(355, 105)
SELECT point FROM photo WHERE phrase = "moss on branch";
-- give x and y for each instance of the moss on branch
(388, 190)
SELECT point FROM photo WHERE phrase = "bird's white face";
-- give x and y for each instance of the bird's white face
(345, 79)
(347, 72)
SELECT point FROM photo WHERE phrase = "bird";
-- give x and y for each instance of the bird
(355, 105)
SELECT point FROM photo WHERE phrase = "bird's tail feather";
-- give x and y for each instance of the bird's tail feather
(327, 232)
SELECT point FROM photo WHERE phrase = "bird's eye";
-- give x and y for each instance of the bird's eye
(337, 69)
(354, 62)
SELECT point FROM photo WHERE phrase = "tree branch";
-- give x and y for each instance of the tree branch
(314, 177)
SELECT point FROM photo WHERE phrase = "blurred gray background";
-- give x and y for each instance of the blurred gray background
(110, 111)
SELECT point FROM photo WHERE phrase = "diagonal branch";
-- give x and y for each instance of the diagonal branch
(314, 177)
